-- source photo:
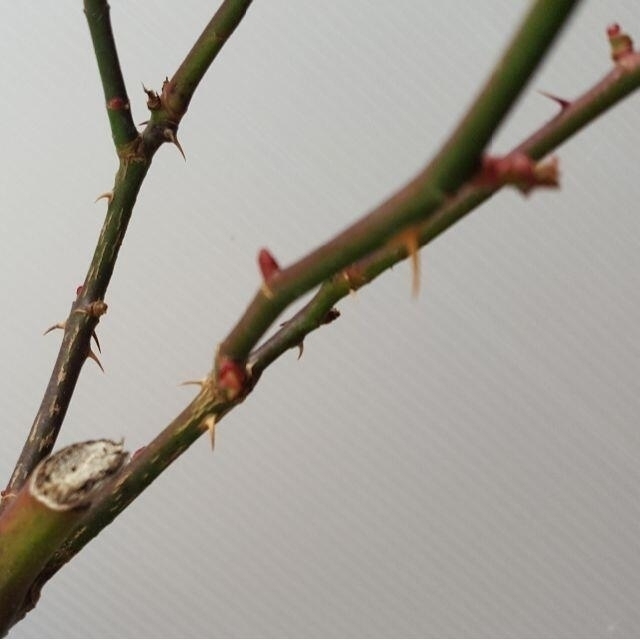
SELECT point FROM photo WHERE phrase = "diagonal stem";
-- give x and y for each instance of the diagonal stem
(423, 195)
(135, 151)
(178, 91)
(192, 421)
(621, 81)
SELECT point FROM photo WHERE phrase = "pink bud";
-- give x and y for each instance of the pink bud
(268, 265)
(232, 378)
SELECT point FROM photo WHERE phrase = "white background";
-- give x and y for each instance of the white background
(461, 464)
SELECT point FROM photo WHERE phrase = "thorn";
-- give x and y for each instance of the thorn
(107, 195)
(58, 325)
(171, 137)
(94, 335)
(266, 291)
(410, 241)
(210, 424)
(144, 123)
(95, 358)
(561, 101)
(201, 383)
(300, 349)
(546, 173)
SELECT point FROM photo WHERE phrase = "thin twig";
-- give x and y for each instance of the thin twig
(135, 155)
(576, 114)
(123, 128)
(423, 195)
(209, 407)
(179, 90)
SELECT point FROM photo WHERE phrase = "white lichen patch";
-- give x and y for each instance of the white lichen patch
(71, 477)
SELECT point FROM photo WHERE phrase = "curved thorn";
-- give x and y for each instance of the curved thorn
(107, 195)
(201, 383)
(58, 325)
(561, 101)
(171, 137)
(94, 357)
(94, 335)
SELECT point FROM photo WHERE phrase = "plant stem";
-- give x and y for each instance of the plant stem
(423, 195)
(191, 423)
(123, 129)
(43, 513)
(177, 93)
(614, 87)
(136, 152)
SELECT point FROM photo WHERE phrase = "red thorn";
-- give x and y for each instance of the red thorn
(561, 101)
(79, 290)
(268, 264)
(232, 378)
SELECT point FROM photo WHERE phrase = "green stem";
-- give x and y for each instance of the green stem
(123, 128)
(136, 152)
(144, 467)
(80, 325)
(177, 93)
(614, 87)
(459, 157)
(421, 196)
(190, 424)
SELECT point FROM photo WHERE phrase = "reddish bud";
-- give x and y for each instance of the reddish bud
(232, 378)
(519, 170)
(613, 30)
(621, 43)
(79, 290)
(117, 104)
(268, 264)
(354, 276)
